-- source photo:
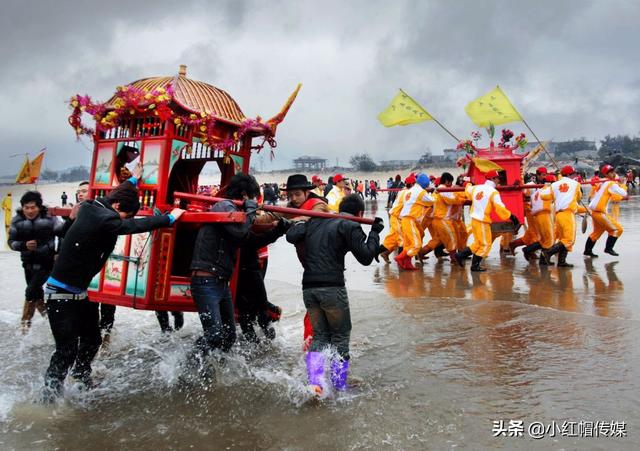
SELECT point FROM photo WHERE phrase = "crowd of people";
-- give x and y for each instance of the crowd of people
(426, 214)
(58, 272)
(428, 206)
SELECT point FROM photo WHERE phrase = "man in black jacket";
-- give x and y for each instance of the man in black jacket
(33, 233)
(88, 242)
(213, 262)
(326, 241)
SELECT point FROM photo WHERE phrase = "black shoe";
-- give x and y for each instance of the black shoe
(548, 253)
(562, 259)
(529, 250)
(611, 241)
(543, 261)
(462, 255)
(475, 264)
(588, 248)
(439, 251)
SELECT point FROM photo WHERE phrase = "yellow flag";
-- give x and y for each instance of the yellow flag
(486, 165)
(403, 110)
(492, 108)
(24, 175)
(35, 166)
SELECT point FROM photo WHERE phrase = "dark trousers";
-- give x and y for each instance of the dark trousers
(212, 297)
(163, 320)
(328, 309)
(35, 276)
(107, 317)
(76, 331)
(252, 302)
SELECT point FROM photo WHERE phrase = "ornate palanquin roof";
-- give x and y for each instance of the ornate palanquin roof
(194, 96)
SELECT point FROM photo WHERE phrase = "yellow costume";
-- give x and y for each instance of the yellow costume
(541, 214)
(566, 195)
(602, 220)
(484, 199)
(447, 206)
(393, 240)
(416, 203)
(334, 197)
(7, 207)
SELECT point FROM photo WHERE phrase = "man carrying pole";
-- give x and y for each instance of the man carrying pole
(567, 195)
(393, 240)
(541, 211)
(602, 220)
(416, 203)
(484, 199)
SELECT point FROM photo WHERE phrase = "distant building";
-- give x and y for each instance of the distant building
(396, 164)
(307, 163)
(450, 154)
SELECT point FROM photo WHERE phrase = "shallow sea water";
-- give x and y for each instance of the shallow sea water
(439, 354)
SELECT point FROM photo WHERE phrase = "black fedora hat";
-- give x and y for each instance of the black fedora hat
(298, 181)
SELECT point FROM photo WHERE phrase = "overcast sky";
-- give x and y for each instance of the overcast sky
(571, 67)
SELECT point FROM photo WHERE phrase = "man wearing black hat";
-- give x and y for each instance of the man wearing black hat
(300, 194)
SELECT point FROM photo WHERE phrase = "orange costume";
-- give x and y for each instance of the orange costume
(484, 199)
(541, 213)
(446, 208)
(602, 221)
(566, 195)
(416, 203)
(393, 240)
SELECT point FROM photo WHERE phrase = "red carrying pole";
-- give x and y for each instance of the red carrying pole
(275, 209)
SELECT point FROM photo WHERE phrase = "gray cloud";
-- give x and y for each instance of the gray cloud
(571, 67)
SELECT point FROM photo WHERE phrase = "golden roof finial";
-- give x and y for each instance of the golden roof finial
(183, 70)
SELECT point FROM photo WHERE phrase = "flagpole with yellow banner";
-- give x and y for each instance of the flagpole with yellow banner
(30, 170)
(495, 108)
(24, 174)
(404, 110)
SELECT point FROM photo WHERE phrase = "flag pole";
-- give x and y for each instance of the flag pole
(432, 117)
(555, 163)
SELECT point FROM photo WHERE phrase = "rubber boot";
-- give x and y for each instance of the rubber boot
(422, 253)
(384, 253)
(562, 259)
(404, 261)
(548, 253)
(611, 241)
(530, 249)
(475, 264)
(28, 310)
(588, 248)
(42, 309)
(439, 251)
(462, 255)
(515, 244)
(315, 371)
(339, 371)
(543, 260)
(408, 264)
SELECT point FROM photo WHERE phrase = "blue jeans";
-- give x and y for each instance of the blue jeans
(215, 308)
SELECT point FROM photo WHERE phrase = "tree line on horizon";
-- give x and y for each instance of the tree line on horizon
(609, 146)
